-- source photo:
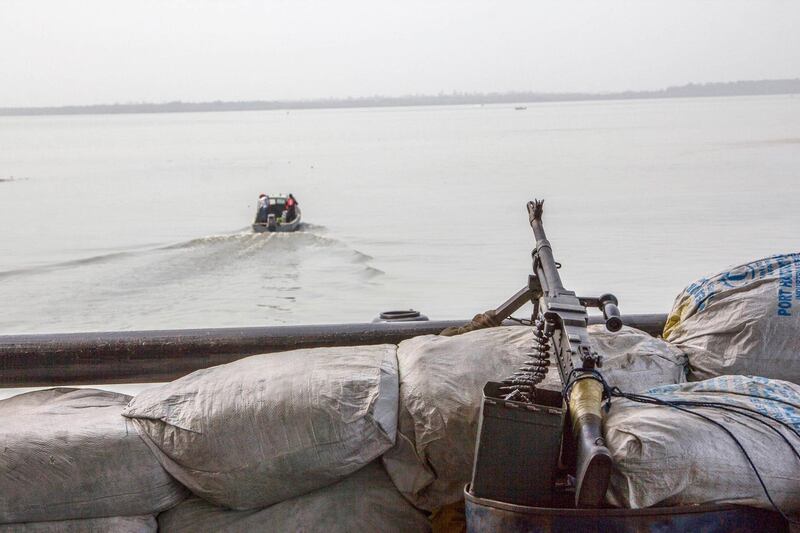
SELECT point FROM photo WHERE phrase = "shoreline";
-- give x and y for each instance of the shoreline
(709, 90)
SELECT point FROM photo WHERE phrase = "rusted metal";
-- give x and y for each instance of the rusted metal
(490, 516)
(163, 355)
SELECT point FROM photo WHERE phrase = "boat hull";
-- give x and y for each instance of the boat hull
(294, 225)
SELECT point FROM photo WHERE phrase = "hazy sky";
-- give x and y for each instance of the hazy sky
(106, 51)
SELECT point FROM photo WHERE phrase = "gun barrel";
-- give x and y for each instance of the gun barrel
(544, 251)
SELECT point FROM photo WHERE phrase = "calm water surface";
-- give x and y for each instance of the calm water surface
(142, 221)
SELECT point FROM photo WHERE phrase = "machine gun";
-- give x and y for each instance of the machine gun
(560, 328)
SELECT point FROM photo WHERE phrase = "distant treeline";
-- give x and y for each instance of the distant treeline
(736, 88)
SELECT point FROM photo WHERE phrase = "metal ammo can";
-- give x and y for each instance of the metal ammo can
(516, 455)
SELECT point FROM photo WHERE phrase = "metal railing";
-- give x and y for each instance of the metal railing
(163, 355)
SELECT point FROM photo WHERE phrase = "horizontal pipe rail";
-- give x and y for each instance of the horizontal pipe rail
(164, 355)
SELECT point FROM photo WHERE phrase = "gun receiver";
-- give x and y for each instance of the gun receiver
(561, 323)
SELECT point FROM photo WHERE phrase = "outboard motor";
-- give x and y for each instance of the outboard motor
(272, 222)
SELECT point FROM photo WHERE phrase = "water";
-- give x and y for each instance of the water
(142, 221)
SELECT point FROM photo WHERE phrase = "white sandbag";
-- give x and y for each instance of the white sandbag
(745, 320)
(68, 453)
(635, 361)
(441, 384)
(365, 501)
(114, 524)
(663, 456)
(270, 427)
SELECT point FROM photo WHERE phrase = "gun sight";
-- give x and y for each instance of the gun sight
(535, 209)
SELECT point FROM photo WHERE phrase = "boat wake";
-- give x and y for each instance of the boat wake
(241, 244)
(75, 263)
(226, 279)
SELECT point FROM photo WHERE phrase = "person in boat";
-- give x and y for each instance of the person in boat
(291, 208)
(263, 208)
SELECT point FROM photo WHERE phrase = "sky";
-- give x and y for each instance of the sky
(109, 51)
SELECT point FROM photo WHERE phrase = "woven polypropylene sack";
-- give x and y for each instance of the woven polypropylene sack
(441, 384)
(663, 456)
(744, 320)
(114, 524)
(365, 501)
(635, 361)
(68, 453)
(270, 427)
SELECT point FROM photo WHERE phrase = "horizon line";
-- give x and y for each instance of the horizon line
(707, 89)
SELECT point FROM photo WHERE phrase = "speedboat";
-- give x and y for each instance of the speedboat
(276, 216)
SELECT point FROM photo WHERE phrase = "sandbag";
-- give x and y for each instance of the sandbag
(115, 524)
(634, 360)
(364, 501)
(273, 426)
(441, 382)
(744, 320)
(68, 453)
(664, 457)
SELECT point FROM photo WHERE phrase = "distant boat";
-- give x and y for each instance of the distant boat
(520, 108)
(275, 217)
